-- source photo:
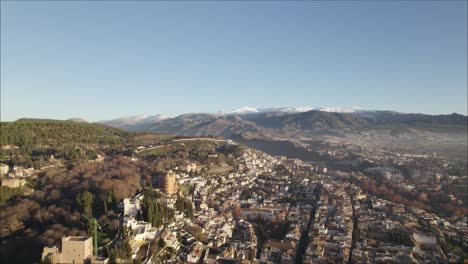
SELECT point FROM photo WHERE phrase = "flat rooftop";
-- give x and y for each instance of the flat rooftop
(76, 238)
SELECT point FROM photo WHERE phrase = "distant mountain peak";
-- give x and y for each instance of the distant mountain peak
(129, 121)
(335, 109)
(246, 110)
(301, 121)
(242, 110)
(77, 119)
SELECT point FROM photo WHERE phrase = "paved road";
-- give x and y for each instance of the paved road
(182, 140)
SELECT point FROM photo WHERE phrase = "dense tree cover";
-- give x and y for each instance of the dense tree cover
(265, 230)
(399, 237)
(177, 154)
(231, 151)
(234, 149)
(32, 132)
(62, 193)
(184, 205)
(185, 189)
(154, 210)
(33, 141)
(123, 252)
(7, 193)
(53, 209)
(19, 251)
(85, 200)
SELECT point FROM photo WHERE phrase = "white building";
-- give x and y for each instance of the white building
(3, 169)
(131, 207)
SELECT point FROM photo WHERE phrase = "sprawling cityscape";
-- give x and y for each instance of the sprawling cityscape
(234, 132)
(211, 200)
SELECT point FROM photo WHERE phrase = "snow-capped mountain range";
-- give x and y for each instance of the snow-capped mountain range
(300, 109)
(287, 121)
(125, 121)
(130, 121)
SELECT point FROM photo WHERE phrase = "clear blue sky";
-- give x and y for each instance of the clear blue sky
(101, 60)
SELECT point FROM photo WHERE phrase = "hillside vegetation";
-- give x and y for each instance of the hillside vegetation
(301, 124)
(77, 186)
(27, 133)
(31, 142)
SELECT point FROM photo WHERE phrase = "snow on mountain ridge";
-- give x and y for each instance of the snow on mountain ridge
(340, 109)
(251, 110)
(132, 120)
(243, 110)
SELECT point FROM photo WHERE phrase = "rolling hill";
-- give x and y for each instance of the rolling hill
(42, 132)
(302, 124)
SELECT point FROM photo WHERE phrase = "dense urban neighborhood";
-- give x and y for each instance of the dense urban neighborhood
(233, 132)
(211, 200)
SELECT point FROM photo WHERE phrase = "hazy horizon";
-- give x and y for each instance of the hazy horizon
(103, 60)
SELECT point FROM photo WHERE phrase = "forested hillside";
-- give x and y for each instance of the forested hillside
(30, 133)
(79, 185)
(31, 142)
